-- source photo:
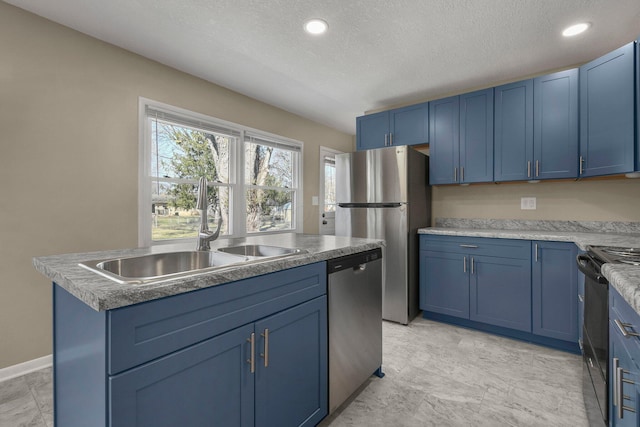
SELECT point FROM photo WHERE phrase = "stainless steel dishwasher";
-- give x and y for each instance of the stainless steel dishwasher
(355, 323)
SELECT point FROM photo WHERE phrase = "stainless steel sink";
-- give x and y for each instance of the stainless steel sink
(259, 251)
(155, 267)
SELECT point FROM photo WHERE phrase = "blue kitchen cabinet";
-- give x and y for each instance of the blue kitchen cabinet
(555, 125)
(291, 373)
(499, 286)
(513, 133)
(580, 305)
(607, 113)
(483, 280)
(624, 362)
(409, 125)
(185, 359)
(444, 137)
(637, 43)
(401, 126)
(444, 283)
(282, 374)
(372, 131)
(208, 383)
(461, 139)
(476, 136)
(500, 291)
(555, 290)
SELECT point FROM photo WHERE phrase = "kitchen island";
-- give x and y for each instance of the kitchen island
(239, 345)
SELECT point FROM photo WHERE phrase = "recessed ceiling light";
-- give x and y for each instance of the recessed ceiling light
(574, 30)
(316, 26)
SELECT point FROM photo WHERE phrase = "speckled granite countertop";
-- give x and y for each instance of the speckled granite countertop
(101, 293)
(624, 278)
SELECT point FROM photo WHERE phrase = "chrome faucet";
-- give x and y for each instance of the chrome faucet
(204, 235)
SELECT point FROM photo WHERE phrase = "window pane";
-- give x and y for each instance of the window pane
(269, 210)
(329, 187)
(174, 214)
(268, 166)
(182, 152)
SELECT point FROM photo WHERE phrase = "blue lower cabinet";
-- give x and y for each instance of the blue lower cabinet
(291, 373)
(208, 383)
(624, 381)
(444, 283)
(251, 352)
(500, 292)
(517, 288)
(555, 290)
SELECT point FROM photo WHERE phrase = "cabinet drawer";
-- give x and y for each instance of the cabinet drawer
(620, 310)
(505, 248)
(146, 331)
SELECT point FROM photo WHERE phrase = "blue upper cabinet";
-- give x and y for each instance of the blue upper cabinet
(372, 131)
(555, 130)
(607, 113)
(444, 137)
(513, 131)
(409, 125)
(476, 136)
(402, 126)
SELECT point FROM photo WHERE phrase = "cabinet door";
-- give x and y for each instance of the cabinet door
(444, 140)
(372, 130)
(207, 383)
(555, 134)
(607, 113)
(291, 373)
(513, 131)
(476, 136)
(444, 283)
(555, 290)
(500, 291)
(622, 357)
(410, 125)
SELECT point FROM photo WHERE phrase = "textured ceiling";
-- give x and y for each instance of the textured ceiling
(377, 53)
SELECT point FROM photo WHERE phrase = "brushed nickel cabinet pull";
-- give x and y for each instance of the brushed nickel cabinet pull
(252, 361)
(265, 355)
(616, 364)
(386, 140)
(469, 246)
(455, 174)
(623, 329)
(537, 167)
(464, 265)
(390, 138)
(528, 168)
(536, 252)
(581, 163)
(472, 265)
(462, 174)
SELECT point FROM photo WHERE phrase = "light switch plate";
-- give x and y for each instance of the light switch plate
(314, 200)
(528, 203)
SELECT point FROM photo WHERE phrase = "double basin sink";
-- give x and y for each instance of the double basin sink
(162, 266)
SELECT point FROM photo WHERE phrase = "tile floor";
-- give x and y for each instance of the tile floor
(436, 375)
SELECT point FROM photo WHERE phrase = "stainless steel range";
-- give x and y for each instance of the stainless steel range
(595, 329)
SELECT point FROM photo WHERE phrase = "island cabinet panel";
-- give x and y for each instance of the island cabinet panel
(292, 371)
(143, 332)
(555, 290)
(624, 362)
(218, 356)
(513, 131)
(607, 113)
(207, 384)
(500, 292)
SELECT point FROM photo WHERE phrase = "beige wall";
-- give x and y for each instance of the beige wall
(69, 156)
(606, 200)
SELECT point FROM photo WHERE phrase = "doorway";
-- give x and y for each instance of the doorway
(327, 199)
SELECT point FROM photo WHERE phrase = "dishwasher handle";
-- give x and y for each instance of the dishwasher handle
(356, 261)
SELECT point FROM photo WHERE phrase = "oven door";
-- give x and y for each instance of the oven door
(595, 333)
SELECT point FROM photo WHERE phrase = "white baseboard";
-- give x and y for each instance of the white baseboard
(25, 367)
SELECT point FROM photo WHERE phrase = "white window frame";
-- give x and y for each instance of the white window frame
(236, 184)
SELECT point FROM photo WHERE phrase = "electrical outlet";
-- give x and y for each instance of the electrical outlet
(528, 203)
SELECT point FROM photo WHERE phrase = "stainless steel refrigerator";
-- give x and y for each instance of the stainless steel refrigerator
(384, 194)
